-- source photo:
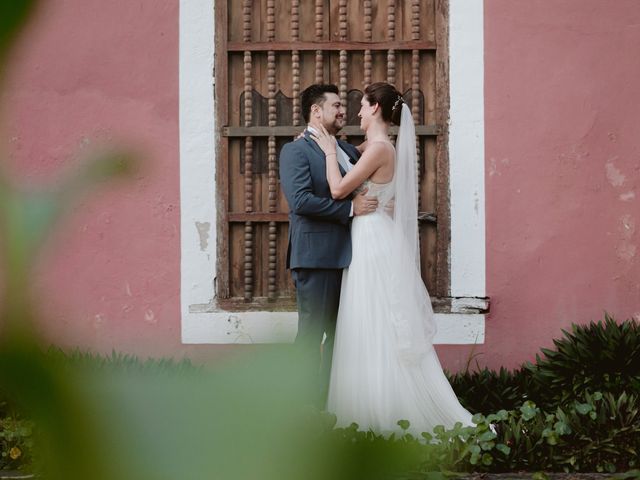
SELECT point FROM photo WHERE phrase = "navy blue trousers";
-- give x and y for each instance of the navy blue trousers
(318, 297)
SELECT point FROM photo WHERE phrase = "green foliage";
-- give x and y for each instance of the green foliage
(571, 426)
(600, 356)
(373, 456)
(119, 362)
(13, 15)
(601, 433)
(16, 443)
(489, 391)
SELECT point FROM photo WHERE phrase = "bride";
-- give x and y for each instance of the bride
(385, 368)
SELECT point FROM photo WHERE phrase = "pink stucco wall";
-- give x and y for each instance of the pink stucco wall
(85, 73)
(562, 168)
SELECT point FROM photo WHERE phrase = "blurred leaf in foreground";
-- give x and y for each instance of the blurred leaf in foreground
(244, 419)
(13, 14)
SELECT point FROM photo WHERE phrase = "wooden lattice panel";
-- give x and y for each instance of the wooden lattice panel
(267, 52)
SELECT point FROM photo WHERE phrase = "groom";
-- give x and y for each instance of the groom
(319, 229)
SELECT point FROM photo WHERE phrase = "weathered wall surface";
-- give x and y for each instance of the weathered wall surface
(562, 169)
(87, 73)
(562, 166)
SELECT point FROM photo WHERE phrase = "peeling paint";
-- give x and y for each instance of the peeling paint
(493, 167)
(150, 317)
(627, 196)
(626, 251)
(628, 227)
(98, 320)
(574, 156)
(615, 176)
(203, 234)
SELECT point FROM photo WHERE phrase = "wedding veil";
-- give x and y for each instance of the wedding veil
(406, 195)
(413, 315)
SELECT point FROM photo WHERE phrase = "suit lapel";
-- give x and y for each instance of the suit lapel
(313, 144)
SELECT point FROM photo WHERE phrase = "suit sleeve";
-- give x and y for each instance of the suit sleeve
(295, 178)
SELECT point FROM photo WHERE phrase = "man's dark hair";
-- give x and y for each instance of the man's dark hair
(314, 95)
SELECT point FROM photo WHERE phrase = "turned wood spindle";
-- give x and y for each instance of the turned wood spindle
(319, 68)
(415, 83)
(368, 28)
(272, 163)
(391, 32)
(248, 154)
(295, 60)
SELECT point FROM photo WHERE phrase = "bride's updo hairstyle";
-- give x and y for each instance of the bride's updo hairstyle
(389, 99)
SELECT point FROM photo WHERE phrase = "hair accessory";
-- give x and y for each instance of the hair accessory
(398, 102)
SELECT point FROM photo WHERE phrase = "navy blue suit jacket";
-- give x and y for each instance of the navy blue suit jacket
(319, 226)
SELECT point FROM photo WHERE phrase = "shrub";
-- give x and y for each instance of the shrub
(488, 391)
(602, 356)
(549, 417)
(120, 362)
(598, 433)
(601, 433)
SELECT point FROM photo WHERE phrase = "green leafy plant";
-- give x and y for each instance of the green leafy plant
(599, 433)
(600, 356)
(120, 362)
(488, 391)
(16, 443)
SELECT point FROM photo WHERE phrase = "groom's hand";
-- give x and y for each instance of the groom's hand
(363, 205)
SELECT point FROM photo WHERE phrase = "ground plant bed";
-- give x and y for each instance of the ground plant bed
(587, 424)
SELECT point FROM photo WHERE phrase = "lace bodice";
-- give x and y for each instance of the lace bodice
(384, 192)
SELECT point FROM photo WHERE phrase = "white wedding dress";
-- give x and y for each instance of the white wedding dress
(372, 383)
(384, 367)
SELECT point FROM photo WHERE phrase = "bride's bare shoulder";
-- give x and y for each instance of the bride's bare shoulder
(379, 148)
(379, 144)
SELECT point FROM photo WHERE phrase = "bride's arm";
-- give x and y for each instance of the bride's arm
(340, 186)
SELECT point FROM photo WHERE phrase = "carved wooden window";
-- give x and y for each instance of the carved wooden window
(267, 51)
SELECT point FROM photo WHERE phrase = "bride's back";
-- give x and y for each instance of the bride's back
(387, 154)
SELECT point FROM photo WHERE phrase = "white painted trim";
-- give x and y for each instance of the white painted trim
(281, 327)
(202, 321)
(197, 159)
(466, 148)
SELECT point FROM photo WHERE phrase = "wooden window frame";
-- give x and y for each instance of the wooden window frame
(441, 292)
(460, 318)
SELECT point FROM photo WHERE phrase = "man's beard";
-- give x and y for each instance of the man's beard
(335, 126)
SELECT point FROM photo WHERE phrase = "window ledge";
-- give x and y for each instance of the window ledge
(288, 304)
(459, 321)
